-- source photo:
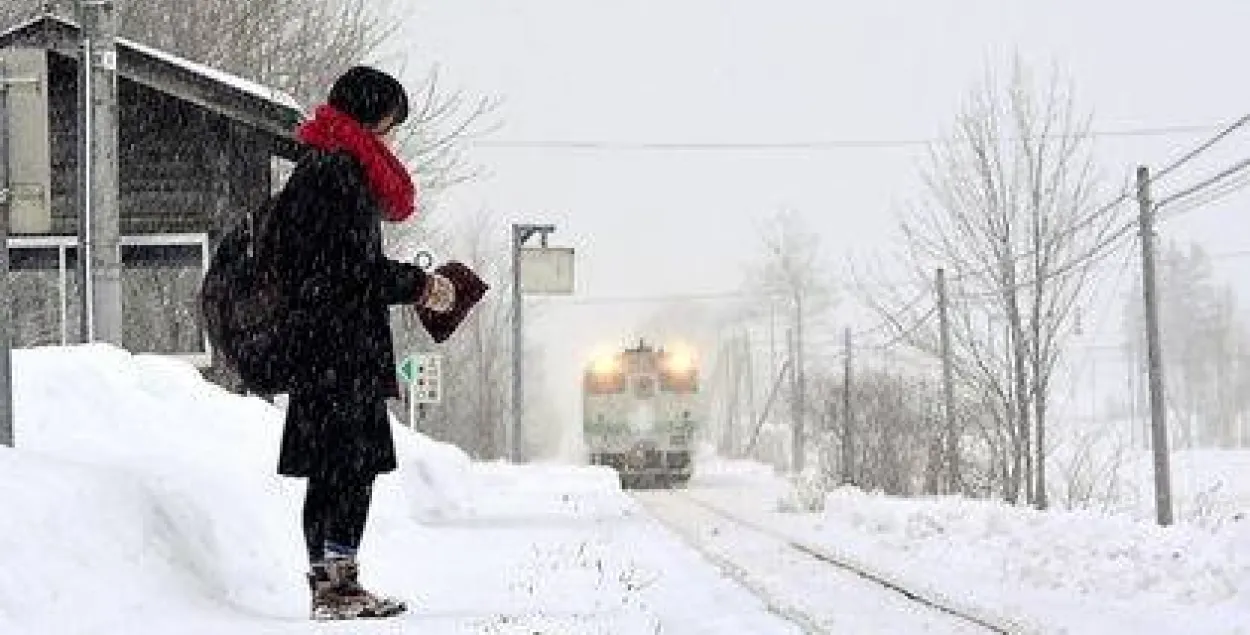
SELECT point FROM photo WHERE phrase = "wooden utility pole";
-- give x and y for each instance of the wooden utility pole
(749, 359)
(1158, 416)
(848, 419)
(6, 297)
(948, 387)
(733, 381)
(800, 390)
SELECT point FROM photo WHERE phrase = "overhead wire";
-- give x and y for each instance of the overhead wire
(1094, 253)
(1204, 184)
(1203, 199)
(903, 335)
(1125, 195)
(1201, 148)
(810, 144)
(1086, 258)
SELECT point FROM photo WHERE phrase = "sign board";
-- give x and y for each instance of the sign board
(547, 270)
(423, 372)
(30, 168)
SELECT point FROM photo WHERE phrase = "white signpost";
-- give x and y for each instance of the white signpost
(423, 372)
(545, 270)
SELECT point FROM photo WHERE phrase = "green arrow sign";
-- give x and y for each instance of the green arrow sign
(409, 369)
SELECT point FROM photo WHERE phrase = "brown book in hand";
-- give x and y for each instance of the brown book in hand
(470, 289)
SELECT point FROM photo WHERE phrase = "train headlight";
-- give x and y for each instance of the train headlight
(679, 362)
(606, 365)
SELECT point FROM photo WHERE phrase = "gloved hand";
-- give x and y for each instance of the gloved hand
(438, 294)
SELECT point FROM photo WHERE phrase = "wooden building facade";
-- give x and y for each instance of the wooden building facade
(196, 151)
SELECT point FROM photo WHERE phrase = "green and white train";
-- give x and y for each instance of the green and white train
(640, 410)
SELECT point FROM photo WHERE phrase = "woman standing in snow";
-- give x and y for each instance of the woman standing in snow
(323, 235)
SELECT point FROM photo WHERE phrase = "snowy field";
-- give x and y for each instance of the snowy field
(144, 500)
(1059, 572)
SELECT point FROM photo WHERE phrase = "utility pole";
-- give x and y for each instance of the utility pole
(794, 398)
(772, 336)
(739, 395)
(99, 223)
(748, 358)
(6, 297)
(726, 365)
(848, 417)
(948, 387)
(516, 437)
(800, 390)
(1158, 416)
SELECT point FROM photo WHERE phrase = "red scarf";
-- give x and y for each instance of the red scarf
(331, 130)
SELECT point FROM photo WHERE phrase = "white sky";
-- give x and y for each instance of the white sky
(725, 71)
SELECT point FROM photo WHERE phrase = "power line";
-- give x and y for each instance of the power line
(1125, 195)
(904, 334)
(1189, 191)
(891, 321)
(826, 144)
(1094, 253)
(1201, 148)
(1210, 197)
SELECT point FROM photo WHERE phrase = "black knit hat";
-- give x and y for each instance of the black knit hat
(368, 94)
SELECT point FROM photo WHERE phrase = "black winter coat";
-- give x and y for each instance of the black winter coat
(323, 240)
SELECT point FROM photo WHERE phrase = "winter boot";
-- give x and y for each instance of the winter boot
(345, 579)
(327, 602)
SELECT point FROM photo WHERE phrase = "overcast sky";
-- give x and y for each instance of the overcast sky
(676, 222)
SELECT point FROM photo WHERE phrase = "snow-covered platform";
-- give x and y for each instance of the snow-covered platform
(142, 499)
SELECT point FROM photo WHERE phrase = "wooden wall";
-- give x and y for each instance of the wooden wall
(182, 169)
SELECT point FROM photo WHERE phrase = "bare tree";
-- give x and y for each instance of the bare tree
(896, 417)
(788, 278)
(1010, 210)
(297, 46)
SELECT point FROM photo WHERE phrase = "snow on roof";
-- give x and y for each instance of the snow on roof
(222, 77)
(219, 76)
(27, 23)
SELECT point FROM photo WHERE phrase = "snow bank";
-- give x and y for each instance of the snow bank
(141, 499)
(1099, 470)
(135, 483)
(1090, 572)
(1081, 571)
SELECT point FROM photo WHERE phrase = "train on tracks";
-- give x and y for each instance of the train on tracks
(641, 409)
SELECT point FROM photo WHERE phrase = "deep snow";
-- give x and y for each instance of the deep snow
(1059, 571)
(142, 499)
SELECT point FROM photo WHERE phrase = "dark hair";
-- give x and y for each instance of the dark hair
(368, 94)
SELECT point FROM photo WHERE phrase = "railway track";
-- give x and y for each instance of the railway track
(818, 590)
